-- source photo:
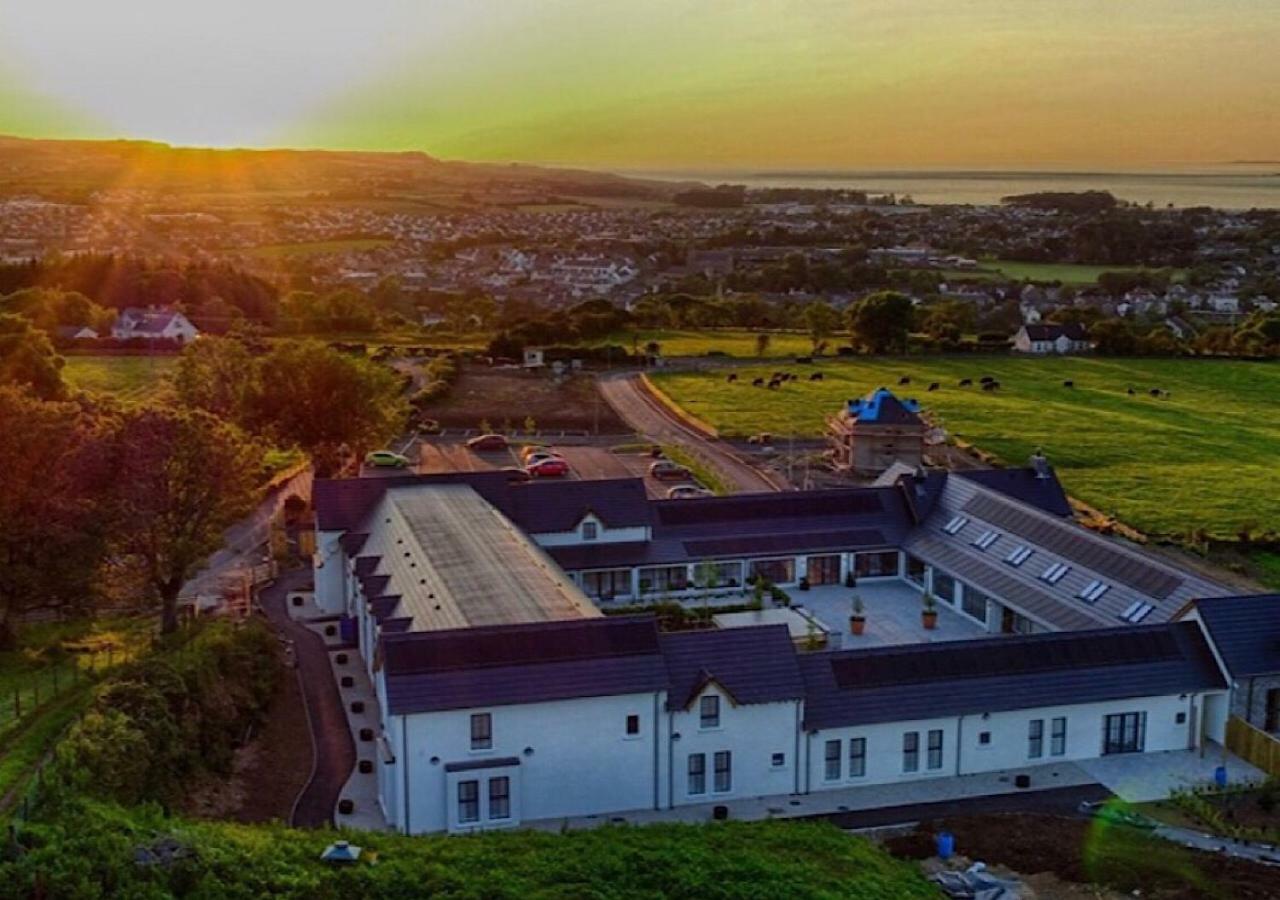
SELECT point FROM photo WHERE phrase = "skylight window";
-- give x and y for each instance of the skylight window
(954, 526)
(1018, 555)
(1136, 612)
(1054, 573)
(986, 539)
(1093, 591)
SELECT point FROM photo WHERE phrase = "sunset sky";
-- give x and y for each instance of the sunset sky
(662, 83)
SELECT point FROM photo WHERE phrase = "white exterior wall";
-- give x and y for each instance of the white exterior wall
(884, 753)
(583, 762)
(330, 573)
(751, 733)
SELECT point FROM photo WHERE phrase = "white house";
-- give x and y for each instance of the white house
(505, 697)
(154, 323)
(1042, 338)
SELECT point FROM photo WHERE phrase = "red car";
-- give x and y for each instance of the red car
(549, 468)
(488, 442)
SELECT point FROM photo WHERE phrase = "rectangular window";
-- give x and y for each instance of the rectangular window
(944, 586)
(777, 571)
(633, 724)
(468, 801)
(590, 531)
(709, 712)
(833, 760)
(1136, 612)
(500, 798)
(954, 526)
(481, 732)
(1058, 736)
(1093, 591)
(876, 565)
(724, 771)
(934, 760)
(1124, 733)
(857, 757)
(911, 751)
(1018, 555)
(915, 569)
(697, 773)
(607, 584)
(974, 603)
(1035, 739)
(986, 539)
(659, 579)
(1054, 573)
(778, 760)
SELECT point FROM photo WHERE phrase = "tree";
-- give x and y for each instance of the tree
(220, 376)
(183, 477)
(881, 322)
(27, 358)
(327, 403)
(52, 485)
(821, 320)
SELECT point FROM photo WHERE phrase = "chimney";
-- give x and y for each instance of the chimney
(1041, 464)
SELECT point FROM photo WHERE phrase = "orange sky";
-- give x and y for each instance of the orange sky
(664, 83)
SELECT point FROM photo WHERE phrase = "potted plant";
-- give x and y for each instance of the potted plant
(929, 615)
(851, 580)
(858, 618)
(804, 583)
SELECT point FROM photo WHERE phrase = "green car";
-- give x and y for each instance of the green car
(385, 459)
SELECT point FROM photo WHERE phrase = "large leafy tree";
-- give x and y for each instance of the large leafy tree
(183, 477)
(330, 404)
(220, 376)
(881, 322)
(53, 482)
(27, 358)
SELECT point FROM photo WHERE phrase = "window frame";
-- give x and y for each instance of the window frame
(708, 722)
(934, 743)
(1058, 736)
(857, 757)
(726, 771)
(1035, 738)
(590, 531)
(465, 802)
(910, 752)
(833, 760)
(503, 800)
(696, 775)
(481, 740)
(632, 719)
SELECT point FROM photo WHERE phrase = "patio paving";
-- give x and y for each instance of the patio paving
(893, 611)
(1144, 777)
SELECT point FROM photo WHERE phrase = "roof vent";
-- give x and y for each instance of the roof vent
(1041, 464)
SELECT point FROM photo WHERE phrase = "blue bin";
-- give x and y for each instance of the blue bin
(946, 844)
(1220, 776)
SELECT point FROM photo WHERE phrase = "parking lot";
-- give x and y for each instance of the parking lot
(585, 462)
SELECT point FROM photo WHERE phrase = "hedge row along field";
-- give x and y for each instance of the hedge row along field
(1202, 457)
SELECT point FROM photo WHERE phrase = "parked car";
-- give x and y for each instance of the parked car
(548, 468)
(530, 449)
(687, 492)
(488, 442)
(386, 459)
(428, 426)
(666, 470)
(533, 458)
(514, 474)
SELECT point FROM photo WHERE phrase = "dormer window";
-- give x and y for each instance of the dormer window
(709, 712)
(590, 531)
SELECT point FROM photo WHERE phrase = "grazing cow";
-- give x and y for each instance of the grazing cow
(759, 382)
(1131, 392)
(733, 376)
(934, 385)
(905, 379)
(1154, 392)
(991, 385)
(774, 385)
(816, 376)
(1068, 383)
(966, 382)
(986, 379)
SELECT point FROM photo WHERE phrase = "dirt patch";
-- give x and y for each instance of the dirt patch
(268, 771)
(1085, 852)
(505, 398)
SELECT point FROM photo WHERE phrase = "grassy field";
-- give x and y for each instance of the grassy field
(731, 342)
(128, 377)
(1067, 273)
(1203, 458)
(317, 248)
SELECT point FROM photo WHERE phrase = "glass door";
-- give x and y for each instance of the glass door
(1124, 733)
(824, 570)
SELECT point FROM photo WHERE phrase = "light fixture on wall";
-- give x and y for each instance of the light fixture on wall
(528, 751)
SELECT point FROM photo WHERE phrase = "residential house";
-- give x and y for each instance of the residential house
(1048, 338)
(154, 323)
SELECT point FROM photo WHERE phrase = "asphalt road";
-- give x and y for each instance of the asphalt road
(335, 752)
(628, 397)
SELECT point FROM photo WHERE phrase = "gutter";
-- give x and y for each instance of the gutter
(959, 744)
(657, 765)
(404, 743)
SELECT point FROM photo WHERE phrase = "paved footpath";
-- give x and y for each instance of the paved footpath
(335, 754)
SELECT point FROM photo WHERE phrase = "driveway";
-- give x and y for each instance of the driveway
(630, 400)
(335, 753)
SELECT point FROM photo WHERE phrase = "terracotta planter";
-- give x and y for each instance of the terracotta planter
(930, 619)
(857, 624)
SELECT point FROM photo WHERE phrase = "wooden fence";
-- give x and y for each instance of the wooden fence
(1253, 745)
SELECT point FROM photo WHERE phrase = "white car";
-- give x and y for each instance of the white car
(688, 492)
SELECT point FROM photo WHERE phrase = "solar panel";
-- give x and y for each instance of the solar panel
(917, 664)
(1058, 538)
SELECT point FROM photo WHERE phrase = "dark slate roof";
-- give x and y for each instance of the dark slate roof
(1245, 631)
(755, 665)
(735, 510)
(1025, 485)
(921, 494)
(510, 664)
(619, 554)
(1051, 332)
(922, 681)
(366, 565)
(767, 544)
(342, 504)
(352, 542)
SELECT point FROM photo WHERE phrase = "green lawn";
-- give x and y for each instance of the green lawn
(1067, 273)
(732, 342)
(128, 377)
(1205, 457)
(318, 248)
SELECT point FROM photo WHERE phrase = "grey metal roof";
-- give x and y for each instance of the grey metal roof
(755, 664)
(897, 684)
(1245, 631)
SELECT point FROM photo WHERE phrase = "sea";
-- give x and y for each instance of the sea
(1235, 186)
